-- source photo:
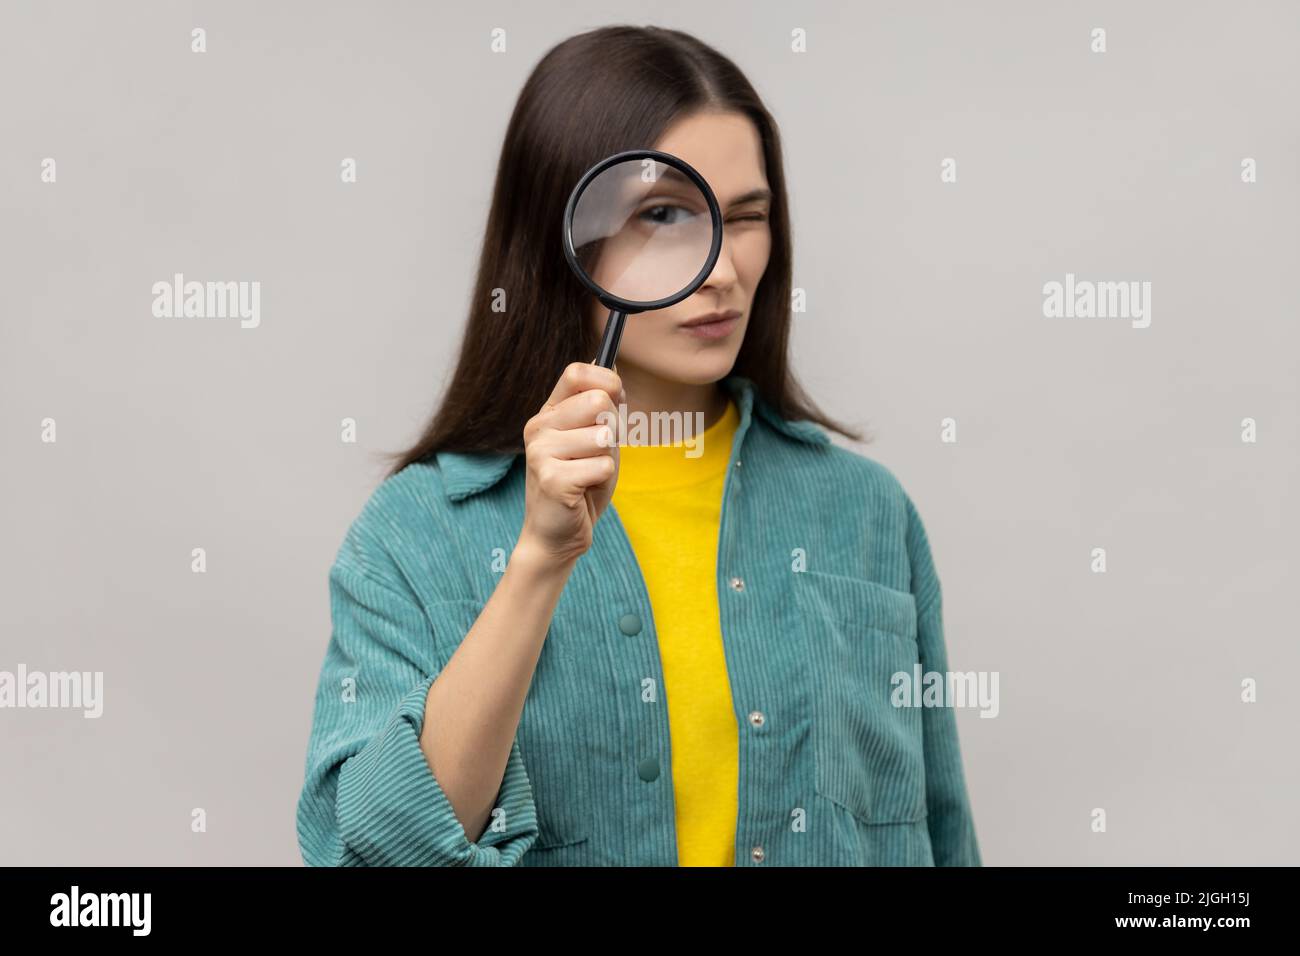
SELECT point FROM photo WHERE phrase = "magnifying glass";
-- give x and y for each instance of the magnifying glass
(642, 230)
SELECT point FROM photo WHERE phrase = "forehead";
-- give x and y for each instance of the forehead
(724, 148)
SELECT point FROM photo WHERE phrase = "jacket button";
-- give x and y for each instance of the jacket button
(756, 718)
(738, 584)
(648, 769)
(629, 624)
(757, 854)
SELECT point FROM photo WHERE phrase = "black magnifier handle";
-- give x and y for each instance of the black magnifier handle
(609, 341)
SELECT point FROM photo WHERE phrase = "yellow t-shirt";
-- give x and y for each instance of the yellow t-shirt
(671, 506)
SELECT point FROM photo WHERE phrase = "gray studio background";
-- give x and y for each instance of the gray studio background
(1118, 690)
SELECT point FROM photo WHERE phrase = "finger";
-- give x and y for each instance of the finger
(580, 377)
(569, 479)
(592, 407)
(578, 442)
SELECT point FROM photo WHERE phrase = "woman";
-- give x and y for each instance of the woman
(552, 650)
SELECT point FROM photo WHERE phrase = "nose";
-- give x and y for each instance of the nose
(723, 276)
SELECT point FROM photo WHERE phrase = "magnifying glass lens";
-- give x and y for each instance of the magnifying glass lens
(642, 230)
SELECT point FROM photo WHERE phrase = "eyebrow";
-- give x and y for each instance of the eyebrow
(754, 195)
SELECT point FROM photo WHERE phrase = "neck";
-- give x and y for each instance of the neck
(648, 393)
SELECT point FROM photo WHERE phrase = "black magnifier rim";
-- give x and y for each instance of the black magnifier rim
(715, 213)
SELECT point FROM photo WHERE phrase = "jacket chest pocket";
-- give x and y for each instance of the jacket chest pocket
(860, 635)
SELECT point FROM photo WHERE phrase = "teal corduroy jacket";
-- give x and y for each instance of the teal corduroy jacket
(826, 588)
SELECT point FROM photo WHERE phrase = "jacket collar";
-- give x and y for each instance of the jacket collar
(467, 473)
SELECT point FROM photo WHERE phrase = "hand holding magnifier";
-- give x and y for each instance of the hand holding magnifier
(642, 230)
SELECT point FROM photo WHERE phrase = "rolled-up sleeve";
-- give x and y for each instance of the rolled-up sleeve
(951, 823)
(370, 797)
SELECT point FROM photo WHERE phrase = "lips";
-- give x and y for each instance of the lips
(711, 318)
(713, 325)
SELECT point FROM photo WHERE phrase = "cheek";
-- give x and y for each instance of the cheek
(750, 255)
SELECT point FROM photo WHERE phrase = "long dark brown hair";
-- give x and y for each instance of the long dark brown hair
(595, 94)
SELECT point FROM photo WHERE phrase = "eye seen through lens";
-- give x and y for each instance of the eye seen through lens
(642, 230)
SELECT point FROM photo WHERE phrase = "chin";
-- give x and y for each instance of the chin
(700, 368)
